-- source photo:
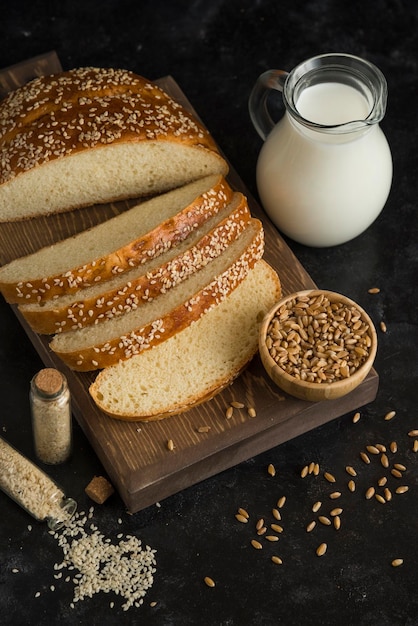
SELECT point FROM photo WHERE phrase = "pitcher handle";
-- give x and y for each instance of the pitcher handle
(257, 104)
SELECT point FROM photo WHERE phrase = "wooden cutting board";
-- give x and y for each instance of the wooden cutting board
(135, 454)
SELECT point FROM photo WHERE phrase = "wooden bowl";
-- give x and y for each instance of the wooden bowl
(335, 367)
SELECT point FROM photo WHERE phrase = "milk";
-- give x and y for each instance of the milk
(320, 188)
(332, 103)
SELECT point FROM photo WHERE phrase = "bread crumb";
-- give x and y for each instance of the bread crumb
(99, 489)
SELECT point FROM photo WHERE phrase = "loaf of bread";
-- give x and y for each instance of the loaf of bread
(93, 135)
(125, 241)
(195, 363)
(129, 290)
(121, 337)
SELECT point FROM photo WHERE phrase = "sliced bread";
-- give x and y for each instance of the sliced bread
(94, 135)
(121, 337)
(128, 291)
(194, 364)
(125, 241)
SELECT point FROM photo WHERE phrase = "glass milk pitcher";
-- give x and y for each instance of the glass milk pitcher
(325, 170)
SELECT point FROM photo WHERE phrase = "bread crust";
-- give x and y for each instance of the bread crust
(119, 348)
(136, 252)
(217, 384)
(60, 115)
(143, 287)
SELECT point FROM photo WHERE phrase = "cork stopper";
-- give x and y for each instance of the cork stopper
(49, 382)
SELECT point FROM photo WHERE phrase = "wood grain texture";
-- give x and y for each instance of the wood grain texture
(135, 454)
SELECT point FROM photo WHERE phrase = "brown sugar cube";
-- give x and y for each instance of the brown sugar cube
(99, 489)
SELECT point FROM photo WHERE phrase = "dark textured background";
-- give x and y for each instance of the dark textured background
(215, 50)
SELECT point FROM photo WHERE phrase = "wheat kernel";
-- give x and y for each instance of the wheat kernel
(415, 446)
(335, 494)
(243, 512)
(390, 415)
(397, 562)
(209, 581)
(329, 477)
(380, 498)
(402, 489)
(413, 433)
(281, 502)
(316, 506)
(351, 485)
(272, 538)
(393, 447)
(382, 481)
(277, 528)
(356, 417)
(374, 290)
(271, 470)
(383, 326)
(321, 549)
(396, 473)
(372, 449)
(241, 518)
(276, 514)
(237, 405)
(310, 526)
(251, 412)
(324, 520)
(170, 445)
(229, 411)
(370, 493)
(335, 512)
(259, 524)
(277, 560)
(364, 458)
(384, 460)
(256, 544)
(350, 470)
(304, 472)
(337, 522)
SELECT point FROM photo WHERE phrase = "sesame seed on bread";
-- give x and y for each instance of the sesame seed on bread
(115, 246)
(120, 338)
(94, 135)
(194, 364)
(128, 291)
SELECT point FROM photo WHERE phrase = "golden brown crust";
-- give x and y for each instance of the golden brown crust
(61, 115)
(168, 233)
(144, 287)
(139, 339)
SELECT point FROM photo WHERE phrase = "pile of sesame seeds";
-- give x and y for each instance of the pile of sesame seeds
(94, 564)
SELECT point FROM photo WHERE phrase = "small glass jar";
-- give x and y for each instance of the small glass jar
(51, 416)
(26, 484)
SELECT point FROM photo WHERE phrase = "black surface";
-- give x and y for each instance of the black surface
(215, 50)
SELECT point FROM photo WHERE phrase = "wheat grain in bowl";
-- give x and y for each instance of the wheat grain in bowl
(317, 345)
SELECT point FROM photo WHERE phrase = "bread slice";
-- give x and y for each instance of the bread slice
(194, 364)
(130, 290)
(125, 241)
(99, 346)
(94, 135)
